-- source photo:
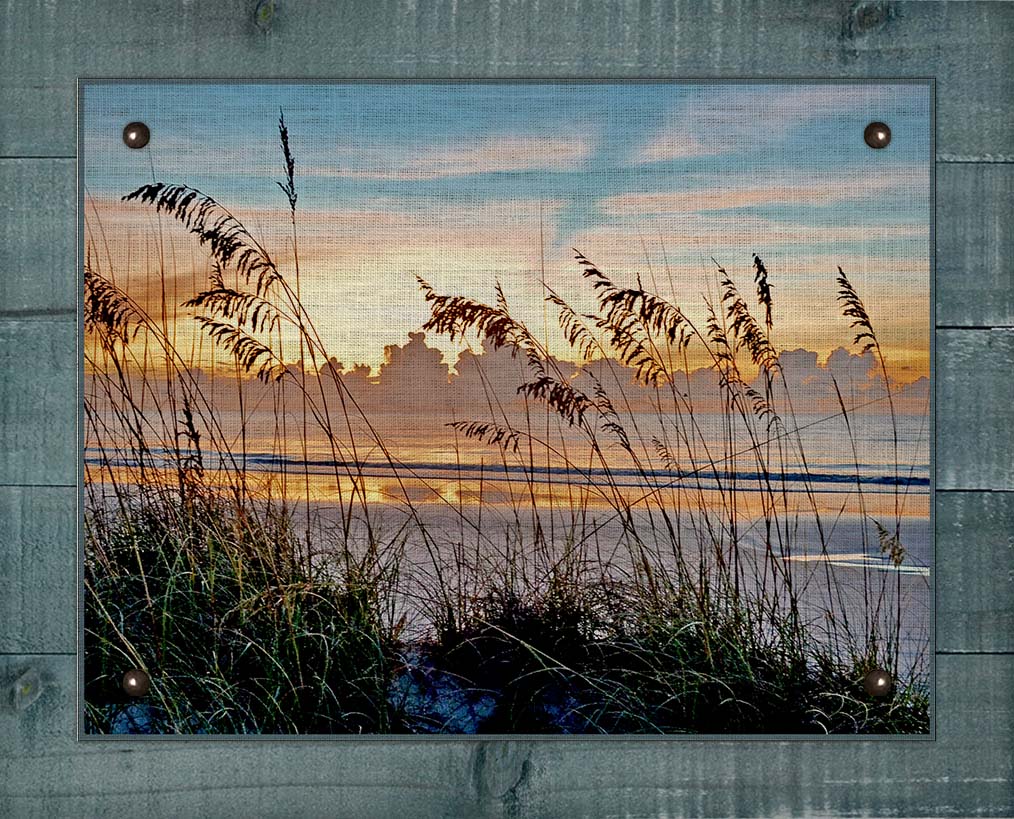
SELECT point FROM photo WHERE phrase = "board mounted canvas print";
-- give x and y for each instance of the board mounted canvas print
(513, 408)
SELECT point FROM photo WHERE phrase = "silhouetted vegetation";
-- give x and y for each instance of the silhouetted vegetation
(251, 622)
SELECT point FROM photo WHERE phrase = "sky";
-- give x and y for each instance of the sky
(467, 184)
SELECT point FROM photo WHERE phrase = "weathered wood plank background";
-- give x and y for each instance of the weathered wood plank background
(967, 47)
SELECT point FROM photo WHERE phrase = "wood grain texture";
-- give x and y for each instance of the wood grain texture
(967, 770)
(46, 46)
(975, 571)
(38, 402)
(38, 576)
(974, 392)
(975, 245)
(38, 270)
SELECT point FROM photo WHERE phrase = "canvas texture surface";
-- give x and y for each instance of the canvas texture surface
(510, 408)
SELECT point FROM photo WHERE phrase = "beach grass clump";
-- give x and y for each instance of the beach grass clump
(675, 590)
(562, 664)
(526, 653)
(237, 633)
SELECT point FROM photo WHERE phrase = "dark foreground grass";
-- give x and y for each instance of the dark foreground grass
(247, 623)
(240, 636)
(553, 664)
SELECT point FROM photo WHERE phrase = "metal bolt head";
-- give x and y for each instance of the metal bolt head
(877, 135)
(878, 683)
(136, 134)
(136, 682)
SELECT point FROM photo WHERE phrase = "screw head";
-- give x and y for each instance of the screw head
(877, 135)
(878, 683)
(136, 682)
(136, 134)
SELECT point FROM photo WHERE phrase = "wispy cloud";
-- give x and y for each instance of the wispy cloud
(738, 117)
(750, 190)
(488, 154)
(676, 143)
(472, 185)
(750, 231)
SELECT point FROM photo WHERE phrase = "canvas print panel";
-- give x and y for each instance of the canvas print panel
(513, 408)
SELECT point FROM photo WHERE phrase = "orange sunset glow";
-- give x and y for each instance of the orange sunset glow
(522, 408)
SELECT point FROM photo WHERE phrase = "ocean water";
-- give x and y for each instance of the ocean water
(482, 507)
